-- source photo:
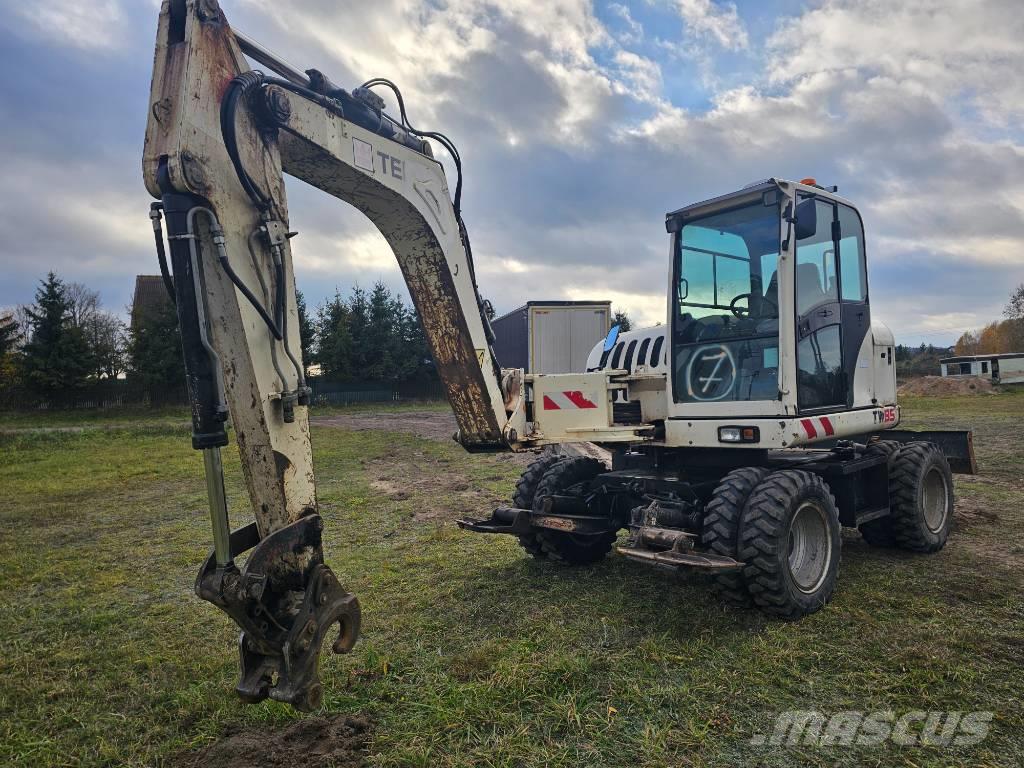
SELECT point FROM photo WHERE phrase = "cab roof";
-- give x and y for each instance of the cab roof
(674, 219)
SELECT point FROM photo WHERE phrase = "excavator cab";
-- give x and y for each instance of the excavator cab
(738, 338)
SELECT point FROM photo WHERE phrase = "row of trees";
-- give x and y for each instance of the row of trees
(368, 335)
(998, 336)
(919, 361)
(61, 342)
(65, 341)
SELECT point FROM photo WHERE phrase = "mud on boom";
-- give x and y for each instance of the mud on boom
(743, 432)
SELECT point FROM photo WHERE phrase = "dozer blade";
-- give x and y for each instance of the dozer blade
(286, 600)
(688, 559)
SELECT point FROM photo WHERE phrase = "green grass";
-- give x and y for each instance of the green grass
(472, 654)
(106, 418)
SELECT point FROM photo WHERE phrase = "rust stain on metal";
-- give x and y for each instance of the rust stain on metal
(558, 523)
(424, 266)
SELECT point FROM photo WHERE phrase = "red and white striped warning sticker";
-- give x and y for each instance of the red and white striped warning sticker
(557, 401)
(812, 431)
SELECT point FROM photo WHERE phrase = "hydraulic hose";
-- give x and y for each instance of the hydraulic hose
(240, 86)
(161, 254)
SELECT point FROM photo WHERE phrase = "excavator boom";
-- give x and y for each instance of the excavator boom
(220, 137)
(219, 140)
(308, 128)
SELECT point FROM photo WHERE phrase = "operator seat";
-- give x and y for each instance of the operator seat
(809, 291)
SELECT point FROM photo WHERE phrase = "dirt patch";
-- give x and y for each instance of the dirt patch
(313, 742)
(943, 386)
(441, 494)
(970, 515)
(433, 425)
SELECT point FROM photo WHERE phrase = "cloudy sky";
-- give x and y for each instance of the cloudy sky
(580, 123)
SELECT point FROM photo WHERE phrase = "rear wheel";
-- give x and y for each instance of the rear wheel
(921, 498)
(879, 533)
(560, 546)
(526, 489)
(790, 544)
(721, 530)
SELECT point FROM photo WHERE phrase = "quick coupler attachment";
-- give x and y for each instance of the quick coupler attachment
(286, 600)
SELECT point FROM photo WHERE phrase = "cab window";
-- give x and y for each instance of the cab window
(816, 264)
(726, 324)
(852, 272)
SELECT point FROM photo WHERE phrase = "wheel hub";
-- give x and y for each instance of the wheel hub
(935, 500)
(810, 547)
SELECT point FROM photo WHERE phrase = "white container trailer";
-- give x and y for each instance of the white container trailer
(551, 336)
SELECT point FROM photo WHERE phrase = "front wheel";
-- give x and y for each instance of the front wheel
(721, 529)
(526, 489)
(560, 546)
(790, 544)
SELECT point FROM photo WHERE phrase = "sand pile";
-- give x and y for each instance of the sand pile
(941, 386)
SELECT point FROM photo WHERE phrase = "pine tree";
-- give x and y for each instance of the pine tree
(57, 357)
(334, 339)
(383, 339)
(9, 332)
(154, 349)
(307, 335)
(621, 319)
(371, 337)
(9, 369)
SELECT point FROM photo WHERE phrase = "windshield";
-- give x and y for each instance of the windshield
(727, 314)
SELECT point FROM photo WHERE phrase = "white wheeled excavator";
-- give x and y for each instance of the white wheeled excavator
(743, 433)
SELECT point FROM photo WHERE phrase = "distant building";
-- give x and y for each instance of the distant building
(150, 296)
(1005, 368)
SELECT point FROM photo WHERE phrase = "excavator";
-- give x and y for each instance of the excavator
(742, 433)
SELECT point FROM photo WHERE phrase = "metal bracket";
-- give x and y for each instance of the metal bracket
(285, 600)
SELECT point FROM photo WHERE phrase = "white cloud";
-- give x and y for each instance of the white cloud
(633, 32)
(965, 51)
(94, 26)
(719, 22)
(642, 76)
(364, 256)
(644, 309)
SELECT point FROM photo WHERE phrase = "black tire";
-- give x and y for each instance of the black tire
(570, 548)
(790, 574)
(879, 533)
(526, 489)
(721, 530)
(921, 498)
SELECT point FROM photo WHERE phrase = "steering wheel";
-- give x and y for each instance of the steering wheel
(741, 312)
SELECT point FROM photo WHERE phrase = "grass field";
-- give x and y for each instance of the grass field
(471, 653)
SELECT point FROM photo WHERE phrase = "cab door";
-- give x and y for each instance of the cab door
(853, 295)
(832, 310)
(822, 383)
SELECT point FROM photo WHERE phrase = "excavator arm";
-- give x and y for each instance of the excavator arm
(219, 139)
